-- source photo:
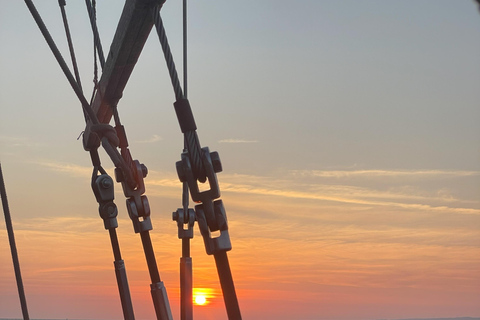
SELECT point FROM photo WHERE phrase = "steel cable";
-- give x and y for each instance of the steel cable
(13, 247)
(109, 148)
(191, 140)
(96, 38)
(62, 4)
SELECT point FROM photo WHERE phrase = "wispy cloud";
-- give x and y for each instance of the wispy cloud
(384, 173)
(412, 198)
(237, 141)
(342, 198)
(67, 168)
(19, 142)
(294, 187)
(153, 139)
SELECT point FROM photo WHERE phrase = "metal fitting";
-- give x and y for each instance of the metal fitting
(183, 219)
(140, 216)
(216, 163)
(182, 176)
(220, 243)
(144, 170)
(119, 175)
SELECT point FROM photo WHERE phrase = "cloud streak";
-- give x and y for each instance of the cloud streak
(66, 168)
(237, 141)
(153, 139)
(248, 189)
(19, 142)
(292, 188)
(384, 173)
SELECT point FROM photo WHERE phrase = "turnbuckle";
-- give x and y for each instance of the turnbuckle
(184, 220)
(212, 165)
(210, 214)
(102, 187)
(137, 203)
(222, 242)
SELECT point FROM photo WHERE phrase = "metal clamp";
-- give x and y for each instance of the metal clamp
(182, 220)
(137, 204)
(212, 165)
(220, 243)
(210, 214)
(103, 189)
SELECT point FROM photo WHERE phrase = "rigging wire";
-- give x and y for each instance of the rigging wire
(107, 145)
(185, 48)
(185, 194)
(63, 65)
(92, 13)
(186, 271)
(62, 4)
(191, 138)
(13, 247)
(97, 45)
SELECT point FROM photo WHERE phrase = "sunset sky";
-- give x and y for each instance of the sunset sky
(349, 136)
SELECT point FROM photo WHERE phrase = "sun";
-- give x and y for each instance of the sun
(203, 296)
(200, 300)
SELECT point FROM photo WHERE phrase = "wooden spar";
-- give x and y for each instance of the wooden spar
(132, 32)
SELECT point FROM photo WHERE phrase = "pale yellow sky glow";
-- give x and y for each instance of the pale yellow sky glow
(349, 139)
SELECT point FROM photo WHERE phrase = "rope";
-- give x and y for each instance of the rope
(191, 140)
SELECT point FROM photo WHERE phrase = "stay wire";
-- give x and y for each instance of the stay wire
(191, 140)
(58, 56)
(92, 13)
(185, 184)
(97, 46)
(109, 148)
(168, 56)
(62, 4)
(185, 48)
(13, 247)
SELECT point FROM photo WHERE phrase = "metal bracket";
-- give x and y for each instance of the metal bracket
(212, 165)
(103, 189)
(137, 204)
(183, 220)
(220, 243)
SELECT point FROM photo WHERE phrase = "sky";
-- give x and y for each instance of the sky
(349, 137)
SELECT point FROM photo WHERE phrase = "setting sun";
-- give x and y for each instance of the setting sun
(202, 296)
(200, 300)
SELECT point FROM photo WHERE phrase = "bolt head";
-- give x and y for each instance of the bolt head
(216, 163)
(106, 183)
(144, 170)
(119, 175)
(181, 171)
